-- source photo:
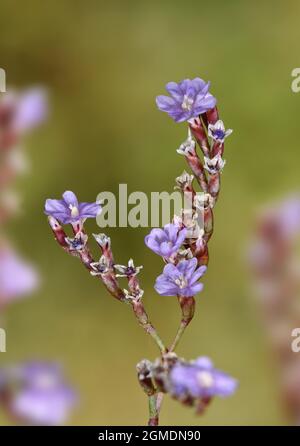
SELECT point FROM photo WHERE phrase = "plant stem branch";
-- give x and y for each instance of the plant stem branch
(187, 305)
(153, 412)
(143, 320)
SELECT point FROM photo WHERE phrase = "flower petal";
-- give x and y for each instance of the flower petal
(198, 273)
(195, 289)
(52, 206)
(200, 85)
(165, 103)
(166, 250)
(187, 267)
(70, 198)
(175, 91)
(184, 85)
(171, 231)
(181, 237)
(164, 287)
(159, 235)
(204, 362)
(224, 385)
(89, 210)
(152, 244)
(171, 271)
(204, 103)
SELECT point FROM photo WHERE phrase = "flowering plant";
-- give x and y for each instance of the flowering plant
(183, 249)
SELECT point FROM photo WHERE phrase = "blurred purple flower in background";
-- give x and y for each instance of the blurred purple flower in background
(189, 99)
(167, 241)
(21, 112)
(32, 393)
(275, 266)
(30, 109)
(17, 278)
(68, 210)
(37, 394)
(180, 279)
(199, 379)
(289, 216)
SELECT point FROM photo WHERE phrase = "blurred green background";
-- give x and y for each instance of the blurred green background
(104, 63)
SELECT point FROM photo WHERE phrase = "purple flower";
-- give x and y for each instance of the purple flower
(180, 279)
(199, 379)
(167, 241)
(30, 109)
(17, 278)
(42, 396)
(189, 99)
(68, 210)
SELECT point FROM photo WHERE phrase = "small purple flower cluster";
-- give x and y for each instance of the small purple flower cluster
(178, 278)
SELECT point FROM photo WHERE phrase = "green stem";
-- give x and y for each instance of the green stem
(187, 305)
(179, 334)
(153, 412)
(142, 317)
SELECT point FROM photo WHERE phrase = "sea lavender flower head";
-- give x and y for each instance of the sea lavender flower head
(42, 397)
(127, 270)
(68, 210)
(199, 379)
(217, 131)
(181, 279)
(17, 277)
(166, 241)
(188, 99)
(214, 165)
